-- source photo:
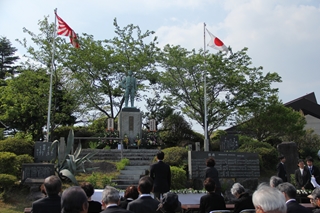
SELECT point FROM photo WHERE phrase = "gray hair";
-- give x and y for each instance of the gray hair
(237, 188)
(275, 181)
(110, 195)
(288, 189)
(271, 200)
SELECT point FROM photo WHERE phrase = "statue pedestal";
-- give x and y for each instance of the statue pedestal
(130, 123)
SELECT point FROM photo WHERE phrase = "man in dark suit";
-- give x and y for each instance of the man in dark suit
(50, 203)
(145, 203)
(303, 176)
(161, 175)
(111, 200)
(74, 200)
(314, 171)
(315, 200)
(281, 171)
(290, 193)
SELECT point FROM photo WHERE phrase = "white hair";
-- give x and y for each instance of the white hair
(237, 188)
(271, 200)
(110, 195)
(275, 181)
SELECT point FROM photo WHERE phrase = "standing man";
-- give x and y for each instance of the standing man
(303, 176)
(52, 202)
(281, 171)
(161, 175)
(290, 193)
(314, 171)
(130, 84)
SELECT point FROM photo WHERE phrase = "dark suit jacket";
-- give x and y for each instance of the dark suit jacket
(243, 202)
(213, 173)
(124, 203)
(295, 207)
(281, 172)
(316, 173)
(94, 207)
(161, 174)
(144, 204)
(303, 180)
(210, 202)
(115, 209)
(50, 204)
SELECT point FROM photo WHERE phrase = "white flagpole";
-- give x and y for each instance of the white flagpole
(206, 142)
(51, 76)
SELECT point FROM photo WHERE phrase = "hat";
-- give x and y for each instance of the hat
(170, 202)
(315, 193)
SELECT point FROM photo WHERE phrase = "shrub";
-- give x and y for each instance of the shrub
(23, 159)
(17, 146)
(268, 157)
(93, 179)
(8, 163)
(7, 181)
(178, 178)
(176, 156)
(120, 165)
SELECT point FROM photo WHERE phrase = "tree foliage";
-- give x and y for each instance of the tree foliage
(7, 58)
(176, 130)
(231, 84)
(99, 66)
(271, 120)
(24, 102)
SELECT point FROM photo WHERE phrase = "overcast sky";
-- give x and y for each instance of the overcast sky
(283, 36)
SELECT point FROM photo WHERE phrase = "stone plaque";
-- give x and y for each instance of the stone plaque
(130, 123)
(229, 142)
(228, 164)
(43, 152)
(37, 170)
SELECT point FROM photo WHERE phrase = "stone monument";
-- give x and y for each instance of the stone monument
(130, 118)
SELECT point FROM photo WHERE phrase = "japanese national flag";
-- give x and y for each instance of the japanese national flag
(216, 43)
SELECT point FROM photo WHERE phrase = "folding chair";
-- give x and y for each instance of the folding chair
(248, 211)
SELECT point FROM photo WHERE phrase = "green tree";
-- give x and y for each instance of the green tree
(7, 58)
(176, 130)
(24, 101)
(98, 68)
(271, 120)
(232, 83)
(39, 54)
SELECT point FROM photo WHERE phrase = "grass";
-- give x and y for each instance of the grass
(16, 200)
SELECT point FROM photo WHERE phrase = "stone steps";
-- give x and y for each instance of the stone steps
(139, 163)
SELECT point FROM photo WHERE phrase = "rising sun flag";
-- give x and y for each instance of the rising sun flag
(65, 30)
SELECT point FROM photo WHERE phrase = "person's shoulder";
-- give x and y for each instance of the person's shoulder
(41, 200)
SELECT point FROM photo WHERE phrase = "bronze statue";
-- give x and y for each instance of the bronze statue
(130, 84)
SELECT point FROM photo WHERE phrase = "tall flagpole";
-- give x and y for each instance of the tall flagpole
(206, 142)
(51, 76)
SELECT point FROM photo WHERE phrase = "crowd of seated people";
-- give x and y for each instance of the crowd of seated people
(276, 196)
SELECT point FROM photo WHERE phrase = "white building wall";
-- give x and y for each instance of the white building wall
(313, 123)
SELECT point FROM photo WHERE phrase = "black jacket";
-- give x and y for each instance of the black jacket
(243, 202)
(50, 204)
(161, 174)
(210, 202)
(303, 180)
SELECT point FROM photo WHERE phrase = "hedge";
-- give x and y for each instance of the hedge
(17, 146)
